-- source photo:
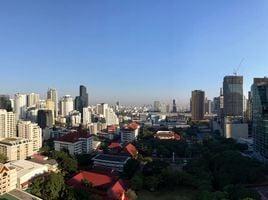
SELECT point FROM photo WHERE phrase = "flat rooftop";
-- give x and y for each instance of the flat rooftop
(24, 167)
(21, 195)
(111, 158)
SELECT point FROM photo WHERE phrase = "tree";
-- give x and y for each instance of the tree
(131, 194)
(66, 162)
(130, 168)
(151, 182)
(137, 182)
(36, 187)
(86, 183)
(3, 158)
(53, 186)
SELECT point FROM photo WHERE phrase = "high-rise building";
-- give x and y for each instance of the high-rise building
(174, 106)
(87, 116)
(52, 94)
(208, 106)
(7, 124)
(45, 118)
(5, 102)
(32, 131)
(198, 104)
(33, 100)
(67, 105)
(75, 118)
(20, 106)
(157, 106)
(81, 101)
(259, 91)
(101, 108)
(233, 95)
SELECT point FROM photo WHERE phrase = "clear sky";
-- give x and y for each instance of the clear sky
(135, 51)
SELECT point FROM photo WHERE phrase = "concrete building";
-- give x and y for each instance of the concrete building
(26, 171)
(32, 131)
(7, 124)
(87, 115)
(198, 104)
(208, 106)
(130, 133)
(259, 91)
(233, 95)
(20, 106)
(45, 118)
(235, 128)
(111, 161)
(157, 106)
(33, 100)
(75, 143)
(67, 105)
(101, 109)
(174, 106)
(52, 94)
(111, 117)
(75, 118)
(16, 148)
(8, 178)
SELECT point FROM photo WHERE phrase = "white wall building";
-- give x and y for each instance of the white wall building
(32, 131)
(75, 118)
(26, 170)
(111, 117)
(16, 148)
(235, 128)
(20, 106)
(130, 133)
(7, 124)
(67, 105)
(87, 116)
(75, 143)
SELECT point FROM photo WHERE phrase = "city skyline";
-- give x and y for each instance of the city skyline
(134, 52)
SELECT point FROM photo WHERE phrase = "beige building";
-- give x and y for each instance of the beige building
(8, 178)
(7, 124)
(16, 148)
(235, 128)
(29, 130)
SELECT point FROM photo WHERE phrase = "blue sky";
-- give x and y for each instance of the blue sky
(134, 51)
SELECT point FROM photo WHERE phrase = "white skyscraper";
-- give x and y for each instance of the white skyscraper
(111, 117)
(33, 99)
(20, 105)
(87, 112)
(53, 95)
(67, 105)
(32, 131)
(101, 108)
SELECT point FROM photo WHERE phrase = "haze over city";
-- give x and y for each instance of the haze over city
(131, 51)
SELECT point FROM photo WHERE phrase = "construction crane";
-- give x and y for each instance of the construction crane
(237, 69)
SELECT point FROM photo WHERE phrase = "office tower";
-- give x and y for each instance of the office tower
(81, 101)
(157, 106)
(20, 105)
(31, 114)
(216, 102)
(208, 106)
(259, 91)
(67, 105)
(249, 107)
(5, 102)
(174, 106)
(87, 116)
(33, 100)
(52, 94)
(233, 95)
(32, 131)
(45, 118)
(198, 104)
(7, 124)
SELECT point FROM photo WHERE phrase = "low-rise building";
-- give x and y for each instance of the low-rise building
(8, 178)
(167, 135)
(26, 171)
(16, 148)
(43, 160)
(112, 161)
(75, 143)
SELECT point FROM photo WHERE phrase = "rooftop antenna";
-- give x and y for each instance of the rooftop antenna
(237, 69)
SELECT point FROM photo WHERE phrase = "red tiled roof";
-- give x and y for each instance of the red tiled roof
(131, 149)
(97, 179)
(114, 145)
(39, 157)
(73, 137)
(167, 134)
(117, 190)
(133, 125)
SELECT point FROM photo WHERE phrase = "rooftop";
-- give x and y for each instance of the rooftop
(73, 137)
(112, 158)
(131, 149)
